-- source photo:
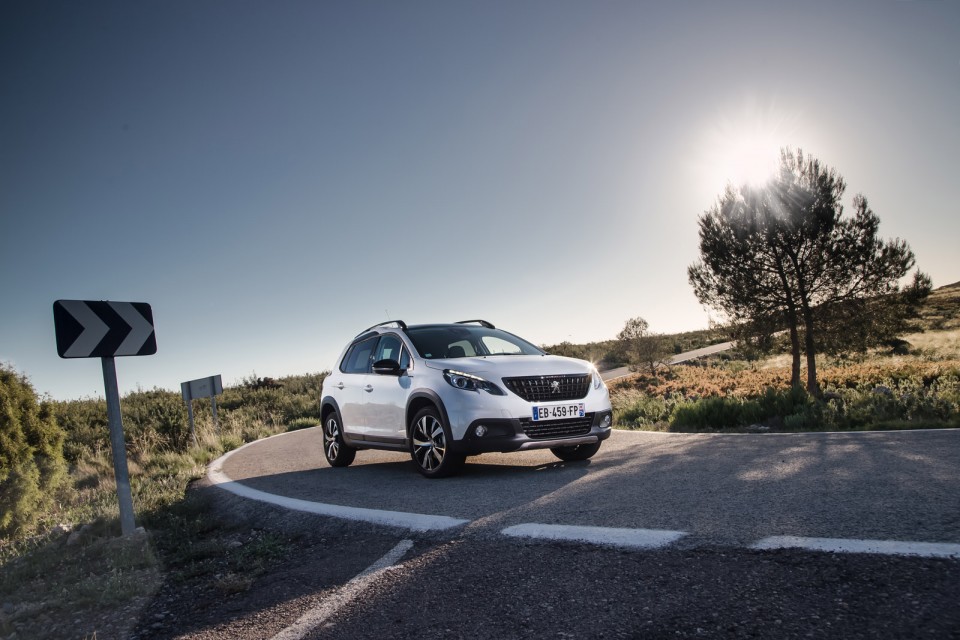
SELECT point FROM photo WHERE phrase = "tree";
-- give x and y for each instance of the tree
(855, 325)
(743, 272)
(31, 455)
(642, 347)
(784, 255)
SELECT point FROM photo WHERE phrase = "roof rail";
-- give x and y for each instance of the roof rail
(400, 325)
(488, 325)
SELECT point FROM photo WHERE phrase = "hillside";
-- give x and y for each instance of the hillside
(608, 351)
(940, 313)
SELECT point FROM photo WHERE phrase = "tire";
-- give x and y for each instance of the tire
(335, 450)
(429, 440)
(576, 452)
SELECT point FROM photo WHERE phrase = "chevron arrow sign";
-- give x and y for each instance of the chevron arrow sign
(103, 329)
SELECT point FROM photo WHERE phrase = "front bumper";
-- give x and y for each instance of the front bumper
(515, 434)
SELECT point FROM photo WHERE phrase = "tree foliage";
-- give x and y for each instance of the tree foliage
(32, 467)
(784, 257)
(642, 347)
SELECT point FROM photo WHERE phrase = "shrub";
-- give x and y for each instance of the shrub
(84, 423)
(714, 413)
(633, 409)
(792, 408)
(155, 421)
(32, 468)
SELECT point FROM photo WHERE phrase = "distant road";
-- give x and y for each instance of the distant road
(620, 372)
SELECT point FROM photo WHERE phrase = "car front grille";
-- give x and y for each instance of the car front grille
(566, 428)
(550, 388)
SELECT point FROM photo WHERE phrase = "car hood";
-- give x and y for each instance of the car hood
(496, 367)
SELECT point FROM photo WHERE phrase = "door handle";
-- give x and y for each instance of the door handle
(368, 388)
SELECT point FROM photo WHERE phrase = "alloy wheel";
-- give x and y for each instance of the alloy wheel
(429, 443)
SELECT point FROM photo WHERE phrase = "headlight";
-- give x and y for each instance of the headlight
(469, 382)
(597, 380)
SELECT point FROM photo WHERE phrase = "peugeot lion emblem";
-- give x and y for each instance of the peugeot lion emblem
(555, 386)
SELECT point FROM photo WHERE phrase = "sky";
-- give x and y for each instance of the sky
(274, 177)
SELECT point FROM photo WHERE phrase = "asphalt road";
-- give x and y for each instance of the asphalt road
(716, 495)
(620, 372)
(717, 489)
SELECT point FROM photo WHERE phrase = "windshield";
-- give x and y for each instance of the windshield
(466, 342)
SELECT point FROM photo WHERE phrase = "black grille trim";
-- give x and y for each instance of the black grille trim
(541, 389)
(566, 428)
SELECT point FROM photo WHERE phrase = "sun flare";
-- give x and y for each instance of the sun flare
(751, 158)
(744, 149)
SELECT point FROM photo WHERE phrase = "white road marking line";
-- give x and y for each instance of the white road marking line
(840, 545)
(342, 596)
(401, 519)
(632, 538)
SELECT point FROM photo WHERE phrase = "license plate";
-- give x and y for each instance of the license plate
(558, 411)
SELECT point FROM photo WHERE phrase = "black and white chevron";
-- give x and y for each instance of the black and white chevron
(103, 329)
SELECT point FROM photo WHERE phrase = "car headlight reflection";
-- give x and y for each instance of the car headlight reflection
(469, 382)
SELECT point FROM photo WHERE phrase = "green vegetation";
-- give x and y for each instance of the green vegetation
(642, 347)
(912, 382)
(32, 468)
(904, 407)
(60, 503)
(161, 454)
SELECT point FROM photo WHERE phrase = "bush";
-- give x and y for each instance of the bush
(791, 408)
(714, 413)
(635, 410)
(84, 423)
(32, 468)
(155, 421)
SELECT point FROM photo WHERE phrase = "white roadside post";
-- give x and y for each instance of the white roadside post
(209, 387)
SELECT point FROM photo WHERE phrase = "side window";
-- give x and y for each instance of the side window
(391, 348)
(357, 359)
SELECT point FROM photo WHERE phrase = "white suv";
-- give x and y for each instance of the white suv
(446, 391)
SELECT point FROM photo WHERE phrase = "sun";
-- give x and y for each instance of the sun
(751, 158)
(743, 146)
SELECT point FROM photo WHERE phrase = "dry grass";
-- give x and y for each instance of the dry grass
(693, 382)
(940, 344)
(941, 311)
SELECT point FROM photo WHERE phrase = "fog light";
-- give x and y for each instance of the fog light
(480, 431)
(607, 421)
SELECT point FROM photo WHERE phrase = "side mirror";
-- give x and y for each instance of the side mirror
(387, 368)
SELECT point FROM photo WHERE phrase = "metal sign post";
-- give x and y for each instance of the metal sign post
(103, 329)
(117, 445)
